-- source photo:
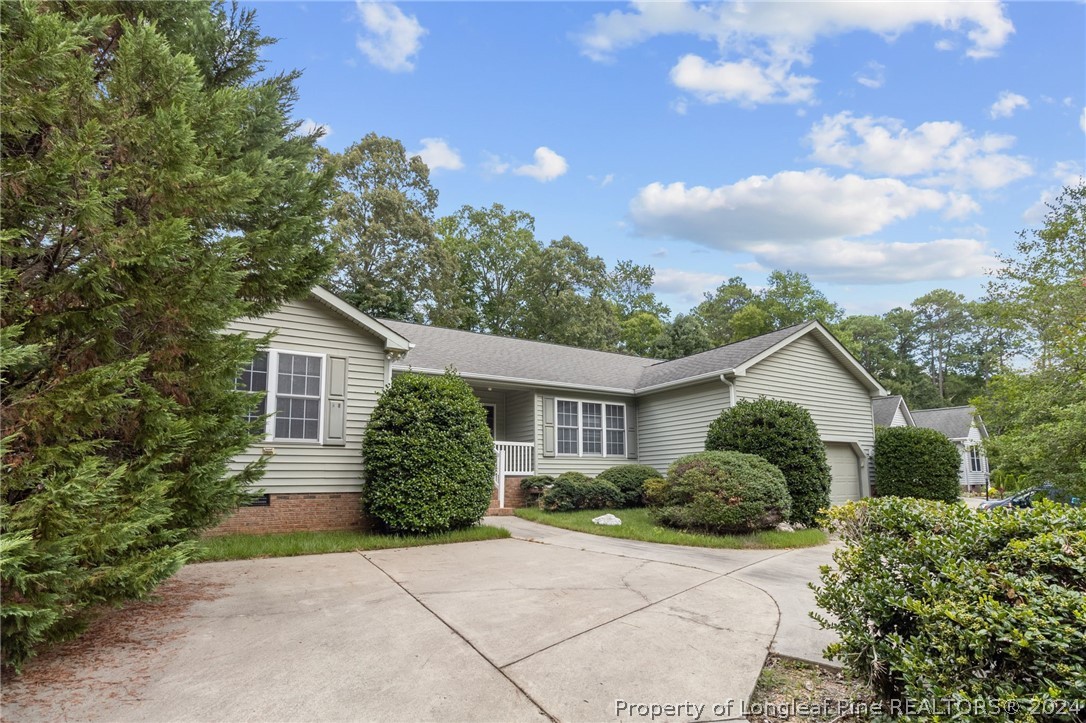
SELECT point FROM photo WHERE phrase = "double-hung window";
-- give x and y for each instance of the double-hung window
(295, 393)
(976, 460)
(590, 428)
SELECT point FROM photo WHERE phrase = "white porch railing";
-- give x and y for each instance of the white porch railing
(514, 459)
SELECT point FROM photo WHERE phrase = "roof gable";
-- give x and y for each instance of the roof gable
(954, 422)
(883, 410)
(393, 341)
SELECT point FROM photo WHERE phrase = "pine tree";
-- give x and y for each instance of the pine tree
(154, 188)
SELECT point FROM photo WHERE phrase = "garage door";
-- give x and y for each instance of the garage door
(845, 473)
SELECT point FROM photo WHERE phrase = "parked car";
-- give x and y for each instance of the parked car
(1026, 497)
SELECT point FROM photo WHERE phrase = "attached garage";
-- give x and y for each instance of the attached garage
(845, 471)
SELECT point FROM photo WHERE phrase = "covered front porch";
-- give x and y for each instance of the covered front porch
(510, 414)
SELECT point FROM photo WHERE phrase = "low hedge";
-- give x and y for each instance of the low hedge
(937, 602)
(916, 462)
(629, 478)
(721, 493)
(576, 491)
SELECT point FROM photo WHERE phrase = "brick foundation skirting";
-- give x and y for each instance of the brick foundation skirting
(296, 512)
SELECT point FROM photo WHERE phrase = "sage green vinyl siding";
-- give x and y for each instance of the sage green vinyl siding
(805, 372)
(674, 422)
(589, 464)
(519, 416)
(310, 326)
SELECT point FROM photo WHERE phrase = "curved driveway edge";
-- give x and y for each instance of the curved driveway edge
(783, 574)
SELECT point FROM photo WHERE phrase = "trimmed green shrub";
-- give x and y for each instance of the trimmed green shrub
(653, 491)
(722, 492)
(629, 479)
(916, 462)
(576, 491)
(534, 487)
(937, 602)
(784, 434)
(428, 455)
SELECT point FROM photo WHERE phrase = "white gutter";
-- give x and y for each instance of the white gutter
(708, 376)
(731, 390)
(521, 382)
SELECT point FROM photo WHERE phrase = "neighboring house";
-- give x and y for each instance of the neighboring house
(966, 430)
(891, 412)
(550, 408)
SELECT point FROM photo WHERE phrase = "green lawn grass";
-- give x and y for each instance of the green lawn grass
(244, 547)
(638, 525)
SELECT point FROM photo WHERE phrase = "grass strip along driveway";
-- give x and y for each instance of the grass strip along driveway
(637, 524)
(245, 547)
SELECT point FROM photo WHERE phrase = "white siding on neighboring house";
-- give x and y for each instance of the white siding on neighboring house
(589, 464)
(520, 416)
(309, 326)
(674, 422)
(969, 477)
(806, 373)
(899, 418)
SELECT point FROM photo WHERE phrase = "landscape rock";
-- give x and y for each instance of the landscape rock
(607, 519)
(785, 527)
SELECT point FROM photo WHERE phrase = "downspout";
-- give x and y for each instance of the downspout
(731, 387)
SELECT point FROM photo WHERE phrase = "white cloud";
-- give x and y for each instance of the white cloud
(792, 207)
(689, 286)
(437, 154)
(309, 126)
(547, 167)
(493, 164)
(940, 152)
(881, 262)
(1082, 120)
(744, 82)
(603, 182)
(759, 42)
(1064, 173)
(945, 45)
(391, 39)
(1007, 104)
(872, 76)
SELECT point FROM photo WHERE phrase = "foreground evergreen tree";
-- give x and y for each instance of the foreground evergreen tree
(153, 190)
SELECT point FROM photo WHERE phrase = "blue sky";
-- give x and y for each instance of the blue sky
(885, 149)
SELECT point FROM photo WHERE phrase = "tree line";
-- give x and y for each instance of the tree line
(484, 269)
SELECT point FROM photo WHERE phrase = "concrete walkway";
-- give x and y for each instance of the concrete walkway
(505, 630)
(783, 574)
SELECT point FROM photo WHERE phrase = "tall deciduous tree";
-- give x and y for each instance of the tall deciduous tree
(154, 188)
(383, 227)
(1038, 417)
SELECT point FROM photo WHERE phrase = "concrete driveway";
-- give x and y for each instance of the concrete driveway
(505, 630)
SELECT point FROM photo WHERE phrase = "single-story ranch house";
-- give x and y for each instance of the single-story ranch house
(551, 408)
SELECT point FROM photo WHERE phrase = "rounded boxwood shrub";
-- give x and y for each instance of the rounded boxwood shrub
(629, 479)
(576, 491)
(428, 456)
(916, 462)
(784, 434)
(534, 487)
(937, 602)
(722, 492)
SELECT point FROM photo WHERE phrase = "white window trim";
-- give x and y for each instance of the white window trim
(273, 388)
(580, 427)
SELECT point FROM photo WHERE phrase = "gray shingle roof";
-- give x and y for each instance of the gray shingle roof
(884, 408)
(954, 422)
(499, 356)
(715, 360)
(474, 354)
